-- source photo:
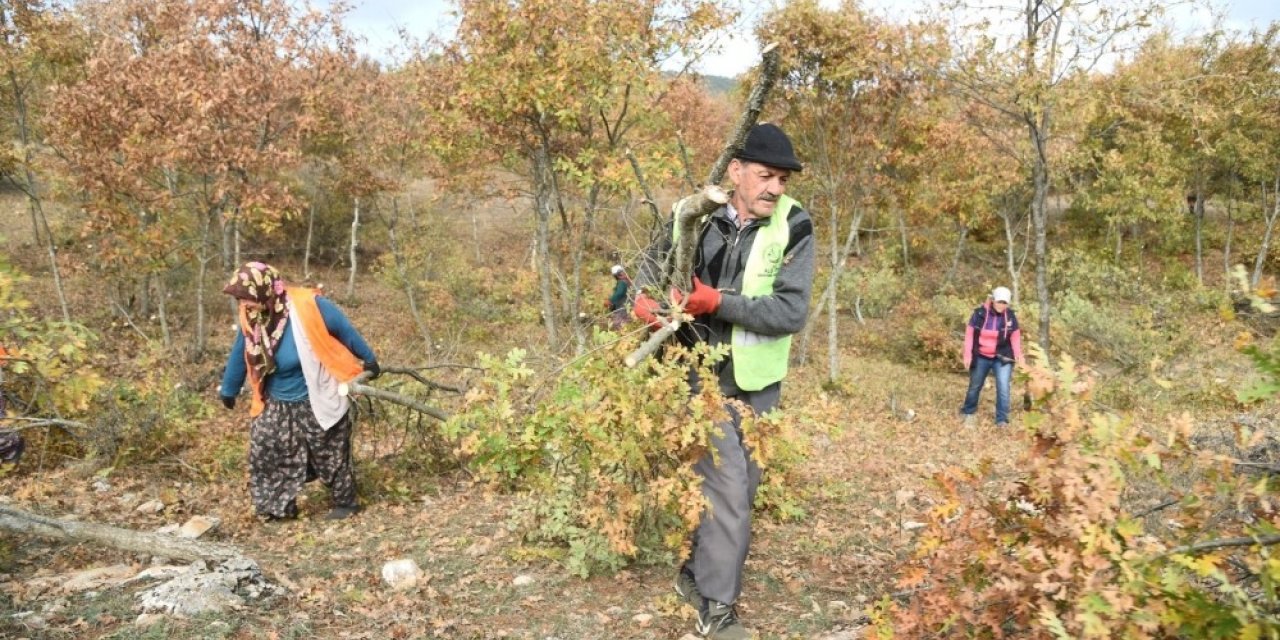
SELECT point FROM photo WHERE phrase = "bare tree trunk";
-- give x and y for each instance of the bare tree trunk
(830, 291)
(156, 544)
(405, 282)
(1198, 212)
(144, 297)
(901, 215)
(355, 241)
(1010, 241)
(51, 248)
(162, 306)
(306, 255)
(18, 90)
(31, 188)
(202, 277)
(955, 257)
(1231, 232)
(542, 248)
(230, 253)
(579, 251)
(1040, 224)
(1271, 224)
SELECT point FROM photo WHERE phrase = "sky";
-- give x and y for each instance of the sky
(378, 21)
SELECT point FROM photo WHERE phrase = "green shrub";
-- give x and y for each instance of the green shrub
(602, 454)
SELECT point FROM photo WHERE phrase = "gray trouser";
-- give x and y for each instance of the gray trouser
(729, 482)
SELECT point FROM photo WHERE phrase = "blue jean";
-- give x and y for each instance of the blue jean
(978, 376)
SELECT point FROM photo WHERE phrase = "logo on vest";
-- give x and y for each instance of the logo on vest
(772, 260)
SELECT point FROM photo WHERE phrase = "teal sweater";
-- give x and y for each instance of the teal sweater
(287, 384)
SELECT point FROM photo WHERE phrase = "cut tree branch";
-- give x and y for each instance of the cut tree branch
(357, 386)
(691, 211)
(755, 103)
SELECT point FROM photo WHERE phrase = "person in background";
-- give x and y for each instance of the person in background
(295, 348)
(618, 299)
(992, 344)
(752, 279)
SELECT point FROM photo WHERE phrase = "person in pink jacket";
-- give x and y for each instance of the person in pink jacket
(992, 344)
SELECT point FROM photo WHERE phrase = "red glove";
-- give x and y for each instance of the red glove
(646, 309)
(702, 300)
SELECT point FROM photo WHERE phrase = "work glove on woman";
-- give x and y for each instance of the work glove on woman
(228, 401)
(373, 369)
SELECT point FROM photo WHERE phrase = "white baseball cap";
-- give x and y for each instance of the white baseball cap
(615, 269)
(1001, 294)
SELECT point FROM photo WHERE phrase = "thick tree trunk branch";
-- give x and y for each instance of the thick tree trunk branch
(755, 103)
(692, 212)
(12, 519)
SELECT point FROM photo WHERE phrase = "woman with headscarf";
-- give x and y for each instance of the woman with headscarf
(992, 343)
(295, 348)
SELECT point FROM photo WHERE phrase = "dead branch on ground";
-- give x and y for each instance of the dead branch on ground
(156, 544)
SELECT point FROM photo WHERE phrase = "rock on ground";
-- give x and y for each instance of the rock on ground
(228, 585)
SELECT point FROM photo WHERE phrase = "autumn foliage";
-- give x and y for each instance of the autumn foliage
(603, 455)
(1105, 529)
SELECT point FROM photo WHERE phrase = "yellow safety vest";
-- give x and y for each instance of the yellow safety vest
(760, 360)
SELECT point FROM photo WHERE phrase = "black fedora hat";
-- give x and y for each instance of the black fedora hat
(767, 144)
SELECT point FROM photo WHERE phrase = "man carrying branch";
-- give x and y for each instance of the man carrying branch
(751, 279)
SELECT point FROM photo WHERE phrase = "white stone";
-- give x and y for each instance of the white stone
(912, 525)
(101, 485)
(147, 619)
(522, 581)
(170, 529)
(643, 619)
(150, 506)
(837, 605)
(401, 574)
(225, 586)
(159, 572)
(99, 577)
(198, 526)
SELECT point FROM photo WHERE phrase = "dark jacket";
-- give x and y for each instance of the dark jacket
(1006, 326)
(720, 262)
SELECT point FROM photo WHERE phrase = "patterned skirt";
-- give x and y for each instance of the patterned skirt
(287, 448)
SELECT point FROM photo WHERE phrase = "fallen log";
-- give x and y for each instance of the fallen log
(156, 544)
